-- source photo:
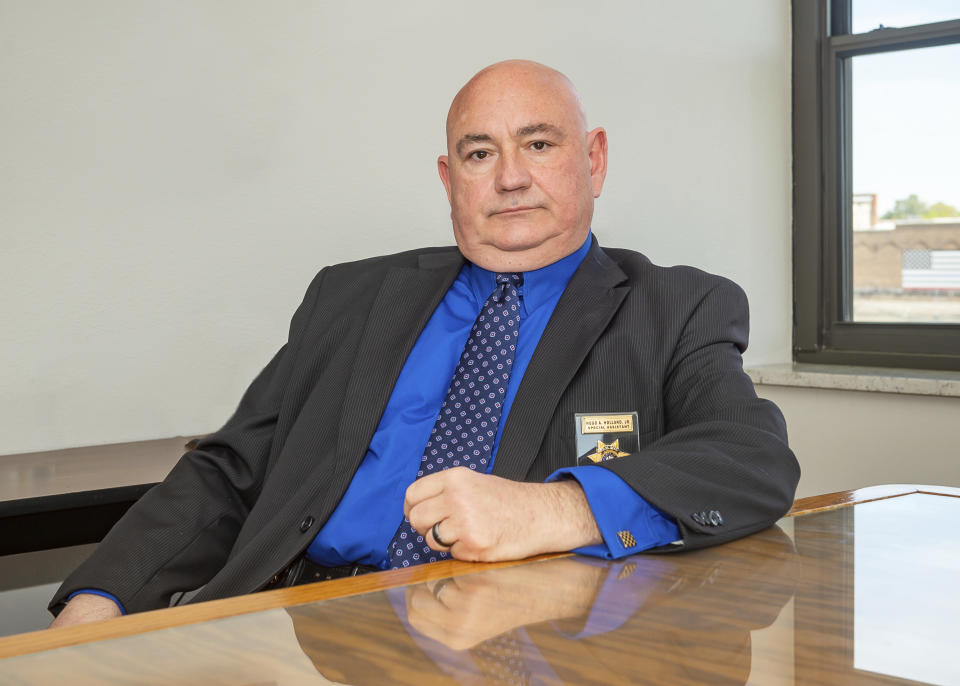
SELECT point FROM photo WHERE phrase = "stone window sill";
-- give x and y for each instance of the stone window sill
(875, 379)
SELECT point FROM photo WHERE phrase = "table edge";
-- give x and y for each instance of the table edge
(831, 501)
(166, 618)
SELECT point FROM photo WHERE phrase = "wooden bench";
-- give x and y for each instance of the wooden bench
(68, 497)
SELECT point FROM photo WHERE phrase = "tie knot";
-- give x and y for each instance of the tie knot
(504, 281)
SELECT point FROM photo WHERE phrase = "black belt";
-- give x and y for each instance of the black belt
(303, 571)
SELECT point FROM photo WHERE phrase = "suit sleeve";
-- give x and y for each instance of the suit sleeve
(179, 534)
(722, 468)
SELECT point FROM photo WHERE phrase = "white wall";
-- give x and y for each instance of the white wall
(851, 439)
(173, 174)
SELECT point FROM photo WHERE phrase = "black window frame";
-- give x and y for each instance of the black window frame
(823, 330)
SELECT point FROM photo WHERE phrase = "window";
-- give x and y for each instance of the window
(876, 144)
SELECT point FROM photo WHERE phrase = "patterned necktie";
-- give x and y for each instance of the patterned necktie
(467, 424)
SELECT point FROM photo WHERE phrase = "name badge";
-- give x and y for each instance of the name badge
(602, 436)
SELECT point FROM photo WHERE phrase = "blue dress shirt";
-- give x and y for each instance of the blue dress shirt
(363, 524)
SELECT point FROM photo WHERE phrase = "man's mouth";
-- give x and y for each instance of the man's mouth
(514, 210)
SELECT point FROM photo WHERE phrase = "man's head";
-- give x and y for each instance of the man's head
(521, 169)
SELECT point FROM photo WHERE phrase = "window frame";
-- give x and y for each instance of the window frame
(823, 330)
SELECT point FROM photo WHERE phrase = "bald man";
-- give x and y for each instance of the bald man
(425, 405)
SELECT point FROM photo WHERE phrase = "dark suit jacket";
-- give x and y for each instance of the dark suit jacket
(625, 336)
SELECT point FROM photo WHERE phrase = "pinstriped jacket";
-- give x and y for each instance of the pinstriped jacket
(626, 336)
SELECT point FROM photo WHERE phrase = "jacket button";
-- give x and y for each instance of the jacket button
(306, 524)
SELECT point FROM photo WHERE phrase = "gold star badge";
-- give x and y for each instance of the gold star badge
(607, 451)
(626, 538)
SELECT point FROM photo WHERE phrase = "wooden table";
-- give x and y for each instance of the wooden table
(853, 588)
(68, 497)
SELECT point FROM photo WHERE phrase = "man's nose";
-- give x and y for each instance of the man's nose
(512, 172)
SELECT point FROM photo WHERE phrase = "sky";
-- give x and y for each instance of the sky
(906, 109)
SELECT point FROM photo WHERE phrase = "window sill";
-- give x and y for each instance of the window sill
(874, 379)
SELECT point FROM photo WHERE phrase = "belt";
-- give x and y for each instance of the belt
(303, 571)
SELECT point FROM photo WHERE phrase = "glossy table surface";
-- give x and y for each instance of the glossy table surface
(854, 588)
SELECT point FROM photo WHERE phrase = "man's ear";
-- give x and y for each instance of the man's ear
(443, 167)
(597, 151)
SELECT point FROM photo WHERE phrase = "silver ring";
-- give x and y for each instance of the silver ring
(436, 536)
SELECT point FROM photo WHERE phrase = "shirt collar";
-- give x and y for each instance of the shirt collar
(539, 285)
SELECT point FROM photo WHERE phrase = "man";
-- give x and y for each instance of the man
(377, 438)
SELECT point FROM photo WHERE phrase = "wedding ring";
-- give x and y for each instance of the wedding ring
(436, 536)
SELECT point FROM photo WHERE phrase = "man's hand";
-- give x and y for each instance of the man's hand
(486, 518)
(86, 607)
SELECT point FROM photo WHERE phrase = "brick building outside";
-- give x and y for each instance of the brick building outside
(905, 269)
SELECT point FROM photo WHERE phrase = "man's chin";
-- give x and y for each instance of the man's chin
(518, 236)
(520, 245)
(514, 255)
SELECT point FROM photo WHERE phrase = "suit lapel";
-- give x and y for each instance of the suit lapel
(586, 306)
(404, 305)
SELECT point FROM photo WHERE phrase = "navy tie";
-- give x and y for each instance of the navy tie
(467, 424)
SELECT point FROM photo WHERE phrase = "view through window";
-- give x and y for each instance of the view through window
(906, 183)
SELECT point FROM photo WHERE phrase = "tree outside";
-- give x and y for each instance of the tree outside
(912, 207)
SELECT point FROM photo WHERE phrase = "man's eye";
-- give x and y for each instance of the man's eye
(479, 154)
(539, 145)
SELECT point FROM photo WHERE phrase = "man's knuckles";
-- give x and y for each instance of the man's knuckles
(422, 519)
(476, 544)
(457, 480)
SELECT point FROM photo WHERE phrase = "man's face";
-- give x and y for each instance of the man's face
(521, 171)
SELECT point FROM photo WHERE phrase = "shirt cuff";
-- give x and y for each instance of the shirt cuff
(627, 522)
(102, 594)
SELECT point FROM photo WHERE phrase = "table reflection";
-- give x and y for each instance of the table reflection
(873, 603)
(672, 619)
(877, 600)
